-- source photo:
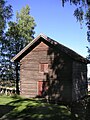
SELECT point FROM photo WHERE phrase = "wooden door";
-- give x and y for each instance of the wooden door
(42, 87)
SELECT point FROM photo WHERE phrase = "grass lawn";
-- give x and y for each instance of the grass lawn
(16, 108)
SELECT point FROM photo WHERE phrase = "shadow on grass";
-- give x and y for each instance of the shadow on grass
(88, 109)
(4, 109)
(33, 109)
(81, 110)
(44, 112)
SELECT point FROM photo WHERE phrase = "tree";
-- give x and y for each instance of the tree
(5, 15)
(19, 34)
(81, 13)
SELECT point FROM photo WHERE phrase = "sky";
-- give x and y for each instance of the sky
(56, 22)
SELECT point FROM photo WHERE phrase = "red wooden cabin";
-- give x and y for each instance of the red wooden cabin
(49, 69)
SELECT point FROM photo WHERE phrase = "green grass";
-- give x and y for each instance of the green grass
(88, 92)
(16, 108)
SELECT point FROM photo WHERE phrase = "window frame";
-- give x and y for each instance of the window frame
(43, 67)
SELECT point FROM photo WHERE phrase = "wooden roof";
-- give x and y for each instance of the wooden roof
(63, 48)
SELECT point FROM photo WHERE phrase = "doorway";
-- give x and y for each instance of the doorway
(42, 87)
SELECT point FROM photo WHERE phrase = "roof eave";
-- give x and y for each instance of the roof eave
(25, 48)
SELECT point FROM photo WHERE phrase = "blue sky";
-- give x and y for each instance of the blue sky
(56, 22)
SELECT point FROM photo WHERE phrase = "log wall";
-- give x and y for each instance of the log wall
(66, 78)
(79, 83)
(58, 76)
(29, 70)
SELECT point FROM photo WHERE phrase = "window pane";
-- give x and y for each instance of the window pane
(46, 68)
(43, 67)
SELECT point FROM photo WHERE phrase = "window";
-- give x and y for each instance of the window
(43, 67)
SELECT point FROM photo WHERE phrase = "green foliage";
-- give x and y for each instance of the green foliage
(81, 13)
(81, 10)
(88, 24)
(5, 15)
(26, 23)
(32, 109)
(75, 2)
(19, 34)
(78, 13)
